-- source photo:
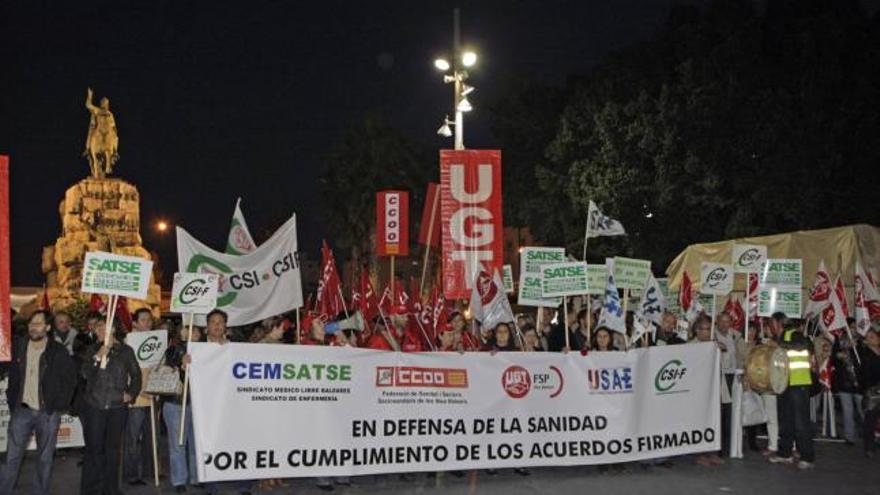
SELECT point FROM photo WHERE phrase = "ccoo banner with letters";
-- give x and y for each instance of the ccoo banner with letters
(358, 412)
(470, 217)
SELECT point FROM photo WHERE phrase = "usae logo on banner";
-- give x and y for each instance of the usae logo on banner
(392, 223)
(470, 213)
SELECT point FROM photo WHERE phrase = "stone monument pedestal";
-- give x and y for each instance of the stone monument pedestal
(96, 215)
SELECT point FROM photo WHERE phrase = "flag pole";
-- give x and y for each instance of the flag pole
(108, 326)
(428, 241)
(589, 320)
(391, 281)
(153, 437)
(714, 308)
(298, 329)
(748, 299)
(565, 321)
(625, 310)
(189, 336)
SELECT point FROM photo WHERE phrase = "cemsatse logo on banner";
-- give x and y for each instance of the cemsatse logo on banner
(610, 380)
(412, 376)
(668, 378)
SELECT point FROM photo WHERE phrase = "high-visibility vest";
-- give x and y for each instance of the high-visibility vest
(798, 364)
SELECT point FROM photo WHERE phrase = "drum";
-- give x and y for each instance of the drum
(767, 369)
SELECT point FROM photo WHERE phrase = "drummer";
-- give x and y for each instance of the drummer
(794, 404)
(769, 399)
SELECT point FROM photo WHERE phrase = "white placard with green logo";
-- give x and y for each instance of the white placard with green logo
(149, 347)
(597, 278)
(781, 272)
(716, 278)
(631, 273)
(115, 274)
(564, 279)
(748, 258)
(531, 261)
(787, 300)
(508, 278)
(194, 292)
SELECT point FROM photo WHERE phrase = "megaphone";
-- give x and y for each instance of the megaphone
(354, 322)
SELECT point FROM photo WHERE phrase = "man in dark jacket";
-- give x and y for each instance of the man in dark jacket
(42, 378)
(113, 380)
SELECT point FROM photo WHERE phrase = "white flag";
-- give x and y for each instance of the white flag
(819, 297)
(653, 302)
(612, 316)
(601, 225)
(641, 327)
(489, 304)
(833, 317)
(253, 286)
(867, 300)
(239, 241)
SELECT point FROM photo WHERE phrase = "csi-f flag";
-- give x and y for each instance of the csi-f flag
(653, 302)
(599, 224)
(254, 286)
(240, 240)
(611, 316)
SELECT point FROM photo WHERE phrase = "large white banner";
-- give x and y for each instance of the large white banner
(278, 411)
(262, 283)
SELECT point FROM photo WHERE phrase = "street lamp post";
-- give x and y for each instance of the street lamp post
(460, 62)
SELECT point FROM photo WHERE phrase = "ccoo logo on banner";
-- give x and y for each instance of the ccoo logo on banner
(470, 212)
(257, 285)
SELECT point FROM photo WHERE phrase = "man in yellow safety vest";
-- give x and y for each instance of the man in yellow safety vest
(793, 405)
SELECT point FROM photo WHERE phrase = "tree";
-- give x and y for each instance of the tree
(371, 156)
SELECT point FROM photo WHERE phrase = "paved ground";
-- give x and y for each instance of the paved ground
(840, 470)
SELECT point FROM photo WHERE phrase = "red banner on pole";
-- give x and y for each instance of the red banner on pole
(470, 216)
(392, 223)
(5, 283)
(429, 231)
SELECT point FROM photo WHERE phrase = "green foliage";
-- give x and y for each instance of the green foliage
(78, 312)
(371, 156)
(729, 123)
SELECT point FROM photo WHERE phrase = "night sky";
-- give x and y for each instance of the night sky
(215, 101)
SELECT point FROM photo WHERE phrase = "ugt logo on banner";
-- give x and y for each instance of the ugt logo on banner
(470, 212)
(392, 223)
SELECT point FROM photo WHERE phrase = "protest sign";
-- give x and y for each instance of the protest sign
(748, 258)
(596, 278)
(782, 272)
(508, 278)
(470, 194)
(115, 274)
(531, 260)
(372, 412)
(631, 273)
(716, 278)
(564, 279)
(194, 292)
(787, 300)
(149, 346)
(392, 223)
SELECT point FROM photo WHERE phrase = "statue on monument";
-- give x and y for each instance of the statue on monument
(102, 143)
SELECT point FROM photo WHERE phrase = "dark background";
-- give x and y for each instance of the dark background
(216, 100)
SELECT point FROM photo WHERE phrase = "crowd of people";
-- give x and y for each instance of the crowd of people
(92, 374)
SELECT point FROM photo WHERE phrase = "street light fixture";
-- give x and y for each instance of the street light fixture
(161, 226)
(460, 60)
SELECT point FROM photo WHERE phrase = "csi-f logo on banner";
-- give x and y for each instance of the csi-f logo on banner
(669, 376)
(194, 292)
(748, 258)
(470, 213)
(392, 223)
